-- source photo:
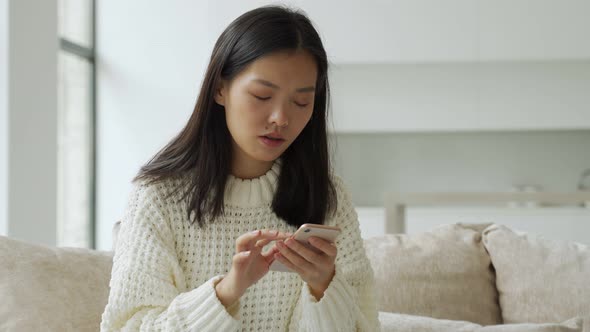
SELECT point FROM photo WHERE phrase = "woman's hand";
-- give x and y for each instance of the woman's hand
(316, 268)
(249, 264)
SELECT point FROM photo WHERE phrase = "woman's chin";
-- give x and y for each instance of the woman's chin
(267, 156)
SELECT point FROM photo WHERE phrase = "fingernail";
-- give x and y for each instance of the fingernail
(245, 253)
(255, 232)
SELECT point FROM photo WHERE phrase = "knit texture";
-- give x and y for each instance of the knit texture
(164, 269)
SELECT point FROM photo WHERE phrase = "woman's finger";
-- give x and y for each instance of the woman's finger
(248, 240)
(262, 243)
(293, 257)
(278, 256)
(303, 251)
(323, 245)
(256, 250)
(270, 255)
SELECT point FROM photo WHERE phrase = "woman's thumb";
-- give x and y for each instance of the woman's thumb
(241, 257)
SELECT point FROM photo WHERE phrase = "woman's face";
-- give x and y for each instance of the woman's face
(273, 96)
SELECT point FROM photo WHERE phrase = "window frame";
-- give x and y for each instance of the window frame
(88, 54)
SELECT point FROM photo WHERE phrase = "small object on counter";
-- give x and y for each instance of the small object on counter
(531, 189)
(526, 188)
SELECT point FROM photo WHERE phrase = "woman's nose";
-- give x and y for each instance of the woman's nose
(279, 116)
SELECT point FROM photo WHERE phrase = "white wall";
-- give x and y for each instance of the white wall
(427, 31)
(3, 117)
(151, 59)
(32, 121)
(461, 96)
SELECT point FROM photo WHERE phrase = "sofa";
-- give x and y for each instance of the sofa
(480, 277)
(455, 277)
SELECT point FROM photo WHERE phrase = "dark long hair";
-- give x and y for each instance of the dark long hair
(305, 192)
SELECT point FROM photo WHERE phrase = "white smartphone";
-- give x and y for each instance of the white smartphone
(328, 233)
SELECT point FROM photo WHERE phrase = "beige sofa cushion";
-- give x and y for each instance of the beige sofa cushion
(539, 280)
(391, 322)
(445, 273)
(52, 289)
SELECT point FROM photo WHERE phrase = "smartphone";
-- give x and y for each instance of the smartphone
(328, 233)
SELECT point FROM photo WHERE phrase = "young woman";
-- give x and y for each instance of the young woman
(216, 206)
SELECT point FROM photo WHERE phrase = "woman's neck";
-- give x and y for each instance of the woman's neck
(249, 168)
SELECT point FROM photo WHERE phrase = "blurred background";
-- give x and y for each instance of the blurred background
(433, 103)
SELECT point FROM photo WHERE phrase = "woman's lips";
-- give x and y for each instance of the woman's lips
(273, 143)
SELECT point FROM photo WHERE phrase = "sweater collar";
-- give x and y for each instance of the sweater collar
(253, 192)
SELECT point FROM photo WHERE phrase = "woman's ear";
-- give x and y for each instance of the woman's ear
(220, 93)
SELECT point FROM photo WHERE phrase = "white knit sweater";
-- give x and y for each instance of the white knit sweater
(164, 269)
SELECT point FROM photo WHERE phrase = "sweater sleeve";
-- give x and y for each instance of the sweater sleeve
(147, 286)
(348, 303)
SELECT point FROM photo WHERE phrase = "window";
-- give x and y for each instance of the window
(76, 124)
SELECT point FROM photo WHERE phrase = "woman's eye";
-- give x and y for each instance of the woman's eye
(301, 105)
(261, 98)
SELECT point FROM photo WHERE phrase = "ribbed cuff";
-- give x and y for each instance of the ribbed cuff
(201, 310)
(334, 308)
